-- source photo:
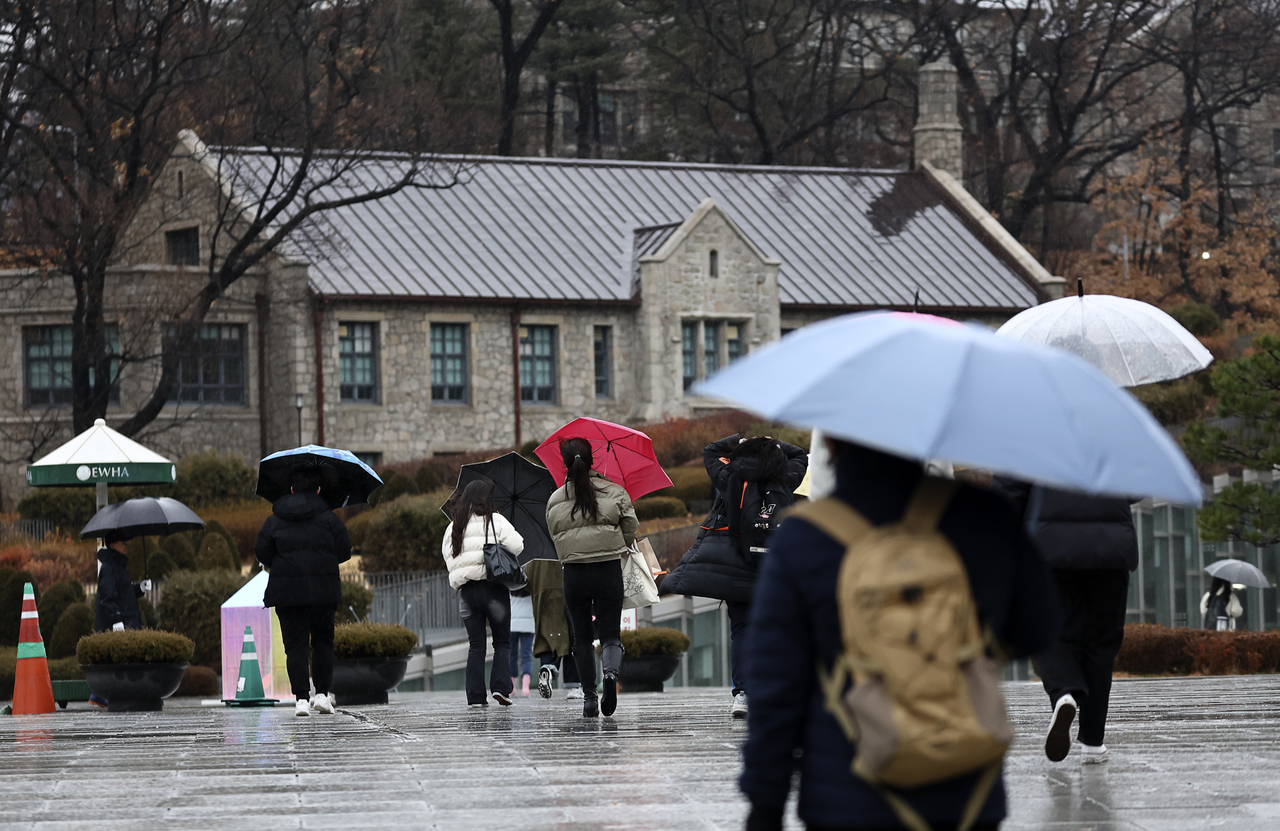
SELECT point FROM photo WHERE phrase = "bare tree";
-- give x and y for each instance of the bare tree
(515, 52)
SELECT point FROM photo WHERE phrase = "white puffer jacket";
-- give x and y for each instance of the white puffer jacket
(469, 564)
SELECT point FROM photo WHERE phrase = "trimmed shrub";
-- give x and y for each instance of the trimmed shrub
(1149, 649)
(372, 640)
(241, 523)
(394, 486)
(427, 479)
(150, 618)
(213, 526)
(70, 509)
(405, 535)
(1197, 318)
(180, 550)
(1174, 402)
(65, 669)
(1156, 650)
(160, 565)
(358, 527)
(655, 640)
(55, 601)
(660, 507)
(74, 623)
(13, 558)
(59, 559)
(198, 681)
(192, 605)
(354, 596)
(11, 606)
(208, 479)
(134, 646)
(216, 554)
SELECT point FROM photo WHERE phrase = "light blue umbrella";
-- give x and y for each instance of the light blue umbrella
(929, 388)
(345, 480)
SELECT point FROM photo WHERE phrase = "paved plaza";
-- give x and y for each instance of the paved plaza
(1186, 754)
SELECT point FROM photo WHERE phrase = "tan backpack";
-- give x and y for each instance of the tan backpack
(925, 703)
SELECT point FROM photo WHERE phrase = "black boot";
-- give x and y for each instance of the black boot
(590, 706)
(609, 702)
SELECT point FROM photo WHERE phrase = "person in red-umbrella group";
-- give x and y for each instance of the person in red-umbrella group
(592, 522)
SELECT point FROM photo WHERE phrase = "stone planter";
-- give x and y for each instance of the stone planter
(646, 673)
(133, 687)
(366, 680)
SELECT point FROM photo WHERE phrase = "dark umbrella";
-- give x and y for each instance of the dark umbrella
(345, 480)
(143, 516)
(520, 493)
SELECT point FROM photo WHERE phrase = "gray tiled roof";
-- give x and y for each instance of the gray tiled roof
(546, 229)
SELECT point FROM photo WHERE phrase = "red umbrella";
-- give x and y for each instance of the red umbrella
(622, 455)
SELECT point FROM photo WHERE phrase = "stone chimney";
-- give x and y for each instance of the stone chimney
(937, 134)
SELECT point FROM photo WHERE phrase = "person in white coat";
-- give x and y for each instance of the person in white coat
(1220, 602)
(480, 599)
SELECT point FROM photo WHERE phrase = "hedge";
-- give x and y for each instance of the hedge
(404, 535)
(55, 601)
(372, 640)
(655, 640)
(1149, 649)
(74, 623)
(134, 646)
(660, 507)
(11, 605)
(192, 605)
(198, 681)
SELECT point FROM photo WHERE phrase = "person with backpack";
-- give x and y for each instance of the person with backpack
(754, 480)
(1091, 545)
(1220, 603)
(480, 599)
(892, 593)
(592, 522)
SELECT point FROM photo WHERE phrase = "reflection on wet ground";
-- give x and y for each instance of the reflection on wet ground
(1185, 754)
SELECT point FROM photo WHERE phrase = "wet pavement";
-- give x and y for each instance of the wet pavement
(1186, 754)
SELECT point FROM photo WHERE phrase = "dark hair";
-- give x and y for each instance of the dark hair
(576, 454)
(1218, 585)
(475, 499)
(113, 537)
(772, 461)
(305, 479)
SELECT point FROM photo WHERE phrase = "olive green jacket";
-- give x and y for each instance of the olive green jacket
(546, 587)
(578, 538)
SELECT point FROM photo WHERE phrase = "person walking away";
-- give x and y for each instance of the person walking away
(522, 630)
(302, 544)
(1220, 607)
(480, 599)
(754, 479)
(796, 636)
(1091, 545)
(592, 522)
(551, 639)
(116, 606)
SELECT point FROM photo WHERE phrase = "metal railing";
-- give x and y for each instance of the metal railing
(420, 600)
(25, 529)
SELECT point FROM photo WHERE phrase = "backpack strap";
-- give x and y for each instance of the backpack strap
(835, 518)
(928, 504)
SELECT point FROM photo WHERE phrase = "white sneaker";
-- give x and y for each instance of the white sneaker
(574, 692)
(1093, 755)
(739, 708)
(302, 708)
(323, 703)
(546, 676)
(1057, 744)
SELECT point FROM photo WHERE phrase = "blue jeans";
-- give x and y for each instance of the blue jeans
(481, 602)
(521, 654)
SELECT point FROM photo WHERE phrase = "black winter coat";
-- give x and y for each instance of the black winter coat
(117, 596)
(795, 625)
(1075, 530)
(713, 567)
(302, 544)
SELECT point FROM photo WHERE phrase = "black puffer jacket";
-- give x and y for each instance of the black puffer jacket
(713, 566)
(117, 597)
(1074, 530)
(302, 544)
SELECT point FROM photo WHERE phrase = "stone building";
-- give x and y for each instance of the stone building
(487, 314)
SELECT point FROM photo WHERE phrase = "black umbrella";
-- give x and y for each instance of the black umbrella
(143, 516)
(520, 493)
(344, 479)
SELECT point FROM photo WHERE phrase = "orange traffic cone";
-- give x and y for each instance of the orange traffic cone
(32, 689)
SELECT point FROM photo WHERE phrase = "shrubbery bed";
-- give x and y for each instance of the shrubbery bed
(134, 646)
(372, 640)
(1149, 649)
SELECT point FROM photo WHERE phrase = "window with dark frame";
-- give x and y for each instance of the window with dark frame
(603, 358)
(710, 348)
(733, 341)
(688, 353)
(372, 458)
(449, 363)
(47, 365)
(358, 362)
(183, 246)
(538, 364)
(211, 369)
(714, 263)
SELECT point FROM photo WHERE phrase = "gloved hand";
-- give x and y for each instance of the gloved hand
(145, 585)
(118, 626)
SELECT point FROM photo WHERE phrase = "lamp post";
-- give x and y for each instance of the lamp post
(297, 402)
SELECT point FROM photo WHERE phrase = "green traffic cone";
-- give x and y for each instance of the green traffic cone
(249, 692)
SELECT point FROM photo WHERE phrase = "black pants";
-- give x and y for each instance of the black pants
(302, 627)
(738, 615)
(481, 602)
(594, 589)
(1093, 606)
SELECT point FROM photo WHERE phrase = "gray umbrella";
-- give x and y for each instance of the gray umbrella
(143, 516)
(1238, 571)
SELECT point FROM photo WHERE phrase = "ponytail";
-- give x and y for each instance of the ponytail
(576, 455)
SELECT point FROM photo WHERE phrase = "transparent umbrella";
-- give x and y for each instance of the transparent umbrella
(1132, 342)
